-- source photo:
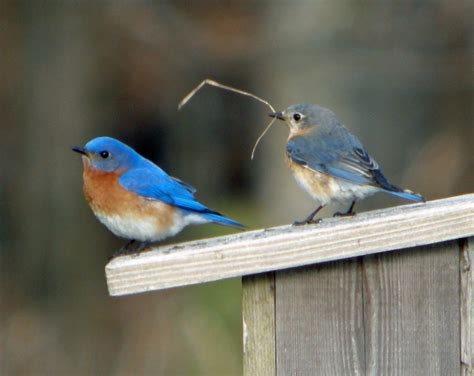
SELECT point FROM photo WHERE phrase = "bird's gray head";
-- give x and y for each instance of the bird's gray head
(302, 117)
(108, 154)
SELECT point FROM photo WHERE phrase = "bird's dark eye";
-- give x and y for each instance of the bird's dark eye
(104, 154)
(297, 117)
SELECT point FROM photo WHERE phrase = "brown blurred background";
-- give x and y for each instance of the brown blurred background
(399, 75)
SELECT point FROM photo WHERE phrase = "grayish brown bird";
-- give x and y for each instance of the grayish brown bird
(329, 162)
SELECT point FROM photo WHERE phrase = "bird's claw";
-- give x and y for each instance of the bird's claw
(339, 214)
(308, 222)
(128, 250)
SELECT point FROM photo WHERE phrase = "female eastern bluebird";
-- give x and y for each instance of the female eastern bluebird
(329, 162)
(134, 198)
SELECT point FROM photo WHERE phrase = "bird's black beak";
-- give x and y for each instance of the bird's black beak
(278, 115)
(79, 150)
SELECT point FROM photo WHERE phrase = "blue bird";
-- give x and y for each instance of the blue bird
(134, 198)
(329, 162)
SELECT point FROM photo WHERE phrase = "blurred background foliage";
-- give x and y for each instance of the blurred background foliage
(398, 74)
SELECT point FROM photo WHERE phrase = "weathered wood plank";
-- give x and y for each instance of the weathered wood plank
(284, 247)
(319, 320)
(467, 307)
(258, 324)
(411, 311)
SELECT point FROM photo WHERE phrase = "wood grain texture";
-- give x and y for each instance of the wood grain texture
(258, 324)
(467, 307)
(319, 318)
(411, 305)
(288, 246)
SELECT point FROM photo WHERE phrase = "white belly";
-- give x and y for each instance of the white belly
(145, 229)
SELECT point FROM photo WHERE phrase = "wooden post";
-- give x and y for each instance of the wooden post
(330, 299)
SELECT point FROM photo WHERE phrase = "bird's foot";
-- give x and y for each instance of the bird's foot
(127, 249)
(344, 214)
(142, 247)
(312, 221)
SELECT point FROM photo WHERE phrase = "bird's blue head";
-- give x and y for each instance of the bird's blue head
(108, 154)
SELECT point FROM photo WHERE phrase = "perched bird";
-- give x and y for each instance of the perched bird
(134, 198)
(329, 162)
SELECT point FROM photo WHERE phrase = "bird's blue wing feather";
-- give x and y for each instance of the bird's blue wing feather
(155, 184)
(337, 153)
(340, 154)
(328, 157)
(346, 175)
(189, 187)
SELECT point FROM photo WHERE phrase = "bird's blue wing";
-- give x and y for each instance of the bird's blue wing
(337, 153)
(340, 154)
(189, 187)
(155, 184)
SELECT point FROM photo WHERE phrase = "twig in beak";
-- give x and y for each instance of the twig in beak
(208, 81)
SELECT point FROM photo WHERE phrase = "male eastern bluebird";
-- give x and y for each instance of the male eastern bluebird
(136, 199)
(329, 162)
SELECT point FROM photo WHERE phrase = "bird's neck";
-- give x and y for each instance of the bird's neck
(99, 185)
(299, 132)
(90, 170)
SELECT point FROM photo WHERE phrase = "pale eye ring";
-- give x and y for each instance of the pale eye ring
(104, 154)
(296, 116)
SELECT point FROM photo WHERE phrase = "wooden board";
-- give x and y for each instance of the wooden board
(288, 246)
(258, 324)
(388, 314)
(411, 305)
(319, 318)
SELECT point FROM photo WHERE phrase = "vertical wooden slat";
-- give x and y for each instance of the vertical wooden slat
(467, 307)
(411, 310)
(258, 314)
(319, 320)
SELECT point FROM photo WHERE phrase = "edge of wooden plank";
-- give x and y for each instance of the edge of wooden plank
(467, 307)
(289, 246)
(258, 324)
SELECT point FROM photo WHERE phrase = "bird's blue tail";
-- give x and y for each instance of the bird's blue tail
(407, 195)
(220, 219)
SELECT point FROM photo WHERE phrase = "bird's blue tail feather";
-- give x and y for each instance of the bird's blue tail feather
(407, 195)
(220, 219)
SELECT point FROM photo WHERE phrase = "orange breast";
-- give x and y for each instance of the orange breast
(107, 197)
(321, 187)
